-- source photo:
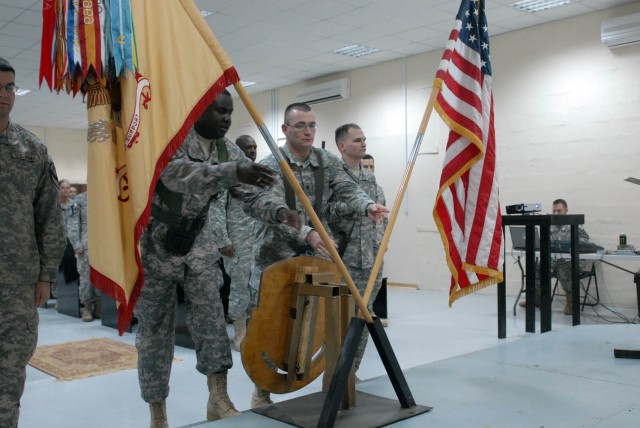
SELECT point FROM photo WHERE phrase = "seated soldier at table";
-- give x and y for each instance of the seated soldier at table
(561, 268)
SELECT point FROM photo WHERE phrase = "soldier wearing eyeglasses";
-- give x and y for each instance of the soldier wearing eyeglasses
(33, 237)
(322, 176)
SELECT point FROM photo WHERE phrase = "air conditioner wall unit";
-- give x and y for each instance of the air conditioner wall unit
(322, 92)
(621, 31)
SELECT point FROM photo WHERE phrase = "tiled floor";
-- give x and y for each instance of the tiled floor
(452, 360)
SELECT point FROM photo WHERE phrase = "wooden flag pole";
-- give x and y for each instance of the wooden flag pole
(400, 196)
(317, 224)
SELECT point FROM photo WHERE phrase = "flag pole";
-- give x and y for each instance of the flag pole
(400, 196)
(315, 220)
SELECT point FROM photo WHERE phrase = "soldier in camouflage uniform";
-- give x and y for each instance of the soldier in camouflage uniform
(368, 163)
(275, 242)
(33, 238)
(77, 230)
(68, 263)
(356, 234)
(561, 268)
(234, 233)
(177, 249)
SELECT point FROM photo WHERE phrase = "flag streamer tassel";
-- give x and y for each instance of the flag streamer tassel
(400, 196)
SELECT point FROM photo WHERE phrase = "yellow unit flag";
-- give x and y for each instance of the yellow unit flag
(179, 72)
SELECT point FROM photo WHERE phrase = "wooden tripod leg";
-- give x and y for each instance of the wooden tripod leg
(390, 362)
(338, 383)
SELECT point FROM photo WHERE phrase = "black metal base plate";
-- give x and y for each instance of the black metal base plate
(627, 353)
(370, 411)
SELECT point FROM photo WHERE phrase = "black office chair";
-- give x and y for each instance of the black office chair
(589, 275)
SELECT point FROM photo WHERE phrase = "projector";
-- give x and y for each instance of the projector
(524, 208)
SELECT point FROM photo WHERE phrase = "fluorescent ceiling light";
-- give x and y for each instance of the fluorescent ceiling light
(206, 13)
(21, 92)
(533, 6)
(356, 51)
(246, 83)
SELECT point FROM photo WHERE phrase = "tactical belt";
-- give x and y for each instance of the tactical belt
(177, 221)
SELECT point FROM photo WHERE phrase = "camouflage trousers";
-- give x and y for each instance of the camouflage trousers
(87, 292)
(239, 270)
(360, 278)
(254, 285)
(561, 269)
(18, 338)
(156, 312)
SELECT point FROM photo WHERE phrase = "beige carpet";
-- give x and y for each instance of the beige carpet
(84, 358)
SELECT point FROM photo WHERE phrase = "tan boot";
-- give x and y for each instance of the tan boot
(86, 313)
(260, 398)
(219, 405)
(97, 309)
(568, 305)
(159, 414)
(240, 326)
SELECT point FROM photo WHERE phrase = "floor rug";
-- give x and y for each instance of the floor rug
(84, 358)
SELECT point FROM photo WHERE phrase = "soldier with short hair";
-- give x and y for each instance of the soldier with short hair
(33, 240)
(561, 268)
(177, 249)
(234, 234)
(356, 234)
(321, 175)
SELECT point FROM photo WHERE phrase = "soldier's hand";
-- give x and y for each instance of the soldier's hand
(313, 238)
(42, 290)
(377, 212)
(255, 174)
(290, 218)
(228, 251)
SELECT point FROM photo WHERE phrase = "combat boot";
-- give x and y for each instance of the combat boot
(260, 398)
(159, 414)
(240, 326)
(568, 305)
(219, 405)
(97, 309)
(86, 313)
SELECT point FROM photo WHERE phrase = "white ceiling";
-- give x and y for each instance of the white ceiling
(276, 42)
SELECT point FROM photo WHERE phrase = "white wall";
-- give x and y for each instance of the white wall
(567, 111)
(68, 149)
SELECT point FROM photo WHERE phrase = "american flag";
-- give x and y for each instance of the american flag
(467, 210)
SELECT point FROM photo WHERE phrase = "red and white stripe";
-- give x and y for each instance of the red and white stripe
(467, 209)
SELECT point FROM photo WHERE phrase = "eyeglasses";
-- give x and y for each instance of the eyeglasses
(10, 87)
(301, 126)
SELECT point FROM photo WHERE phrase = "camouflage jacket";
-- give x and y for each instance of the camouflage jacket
(278, 242)
(563, 233)
(77, 226)
(354, 228)
(198, 178)
(230, 224)
(381, 227)
(32, 227)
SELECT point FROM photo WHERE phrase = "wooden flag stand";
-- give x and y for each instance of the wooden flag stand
(333, 396)
(309, 294)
